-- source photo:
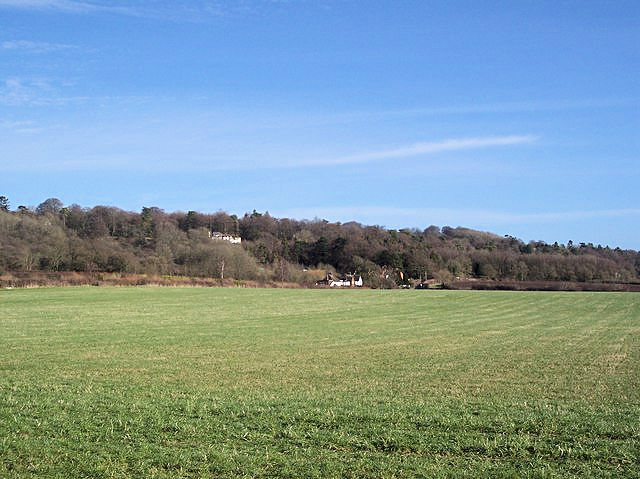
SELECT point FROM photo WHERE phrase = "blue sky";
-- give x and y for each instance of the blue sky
(519, 118)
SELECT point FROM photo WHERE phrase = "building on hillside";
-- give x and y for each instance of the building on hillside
(328, 278)
(349, 281)
(216, 235)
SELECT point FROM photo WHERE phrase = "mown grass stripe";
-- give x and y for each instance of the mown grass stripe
(131, 382)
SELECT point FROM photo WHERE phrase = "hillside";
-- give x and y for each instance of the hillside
(54, 237)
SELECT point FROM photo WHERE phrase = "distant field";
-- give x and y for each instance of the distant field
(170, 382)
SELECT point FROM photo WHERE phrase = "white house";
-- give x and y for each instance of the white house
(348, 282)
(216, 235)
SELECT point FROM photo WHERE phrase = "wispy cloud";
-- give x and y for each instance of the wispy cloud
(38, 92)
(50, 92)
(178, 10)
(426, 148)
(205, 149)
(566, 215)
(17, 91)
(409, 151)
(450, 216)
(516, 107)
(20, 126)
(34, 47)
(498, 108)
(69, 6)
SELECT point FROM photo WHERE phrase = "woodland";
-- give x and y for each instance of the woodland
(55, 237)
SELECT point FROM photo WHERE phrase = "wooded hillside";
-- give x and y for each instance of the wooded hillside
(54, 237)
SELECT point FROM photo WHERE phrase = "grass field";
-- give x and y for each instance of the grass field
(162, 382)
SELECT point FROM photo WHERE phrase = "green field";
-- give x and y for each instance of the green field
(162, 382)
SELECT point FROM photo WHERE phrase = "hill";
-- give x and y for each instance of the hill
(54, 237)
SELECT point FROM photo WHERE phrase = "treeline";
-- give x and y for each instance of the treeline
(55, 237)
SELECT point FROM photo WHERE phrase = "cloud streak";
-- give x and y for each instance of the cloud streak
(34, 47)
(49, 92)
(20, 126)
(427, 148)
(452, 216)
(189, 11)
(505, 108)
(68, 6)
(515, 107)
(165, 142)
